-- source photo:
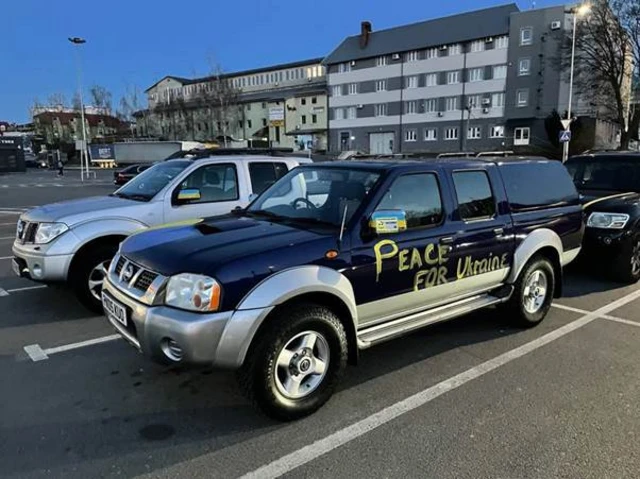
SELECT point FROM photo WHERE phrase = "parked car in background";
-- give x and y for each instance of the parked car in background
(123, 176)
(73, 242)
(609, 184)
(337, 257)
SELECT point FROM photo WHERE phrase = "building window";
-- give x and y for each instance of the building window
(304, 119)
(477, 46)
(336, 90)
(522, 97)
(473, 133)
(455, 49)
(412, 82)
(497, 131)
(353, 88)
(499, 71)
(432, 79)
(474, 101)
(381, 85)
(432, 53)
(352, 113)
(526, 36)
(451, 133)
(413, 56)
(314, 118)
(453, 77)
(249, 124)
(411, 135)
(338, 114)
(521, 136)
(264, 123)
(344, 67)
(431, 105)
(451, 103)
(248, 106)
(502, 42)
(524, 67)
(314, 100)
(497, 100)
(380, 109)
(476, 74)
(430, 134)
(381, 61)
(411, 107)
(303, 101)
(264, 104)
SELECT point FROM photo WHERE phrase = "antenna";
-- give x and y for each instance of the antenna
(344, 220)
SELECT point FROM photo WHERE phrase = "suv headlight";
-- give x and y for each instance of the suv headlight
(49, 231)
(614, 221)
(193, 292)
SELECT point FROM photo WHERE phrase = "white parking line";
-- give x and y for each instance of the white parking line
(584, 311)
(6, 257)
(36, 353)
(624, 321)
(26, 288)
(8, 224)
(8, 237)
(343, 436)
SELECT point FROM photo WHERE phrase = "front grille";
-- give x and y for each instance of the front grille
(133, 278)
(27, 231)
(120, 264)
(144, 280)
(22, 225)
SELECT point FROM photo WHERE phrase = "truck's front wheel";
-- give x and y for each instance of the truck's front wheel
(88, 273)
(296, 362)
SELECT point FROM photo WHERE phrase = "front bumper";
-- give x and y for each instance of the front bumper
(218, 339)
(601, 246)
(35, 264)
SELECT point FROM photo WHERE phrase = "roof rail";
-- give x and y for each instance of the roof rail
(459, 154)
(495, 153)
(199, 153)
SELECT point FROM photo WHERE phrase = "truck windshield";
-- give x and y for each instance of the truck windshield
(315, 195)
(148, 183)
(608, 174)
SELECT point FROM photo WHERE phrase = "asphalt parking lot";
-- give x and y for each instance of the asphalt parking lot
(472, 398)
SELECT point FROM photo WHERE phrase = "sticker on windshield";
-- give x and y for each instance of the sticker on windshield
(389, 221)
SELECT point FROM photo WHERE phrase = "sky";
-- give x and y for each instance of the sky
(134, 43)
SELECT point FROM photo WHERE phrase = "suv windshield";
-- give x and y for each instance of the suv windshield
(148, 183)
(607, 173)
(315, 195)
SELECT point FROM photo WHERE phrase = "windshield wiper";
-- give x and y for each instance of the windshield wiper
(309, 220)
(133, 196)
(265, 213)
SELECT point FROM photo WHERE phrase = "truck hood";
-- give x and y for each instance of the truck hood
(204, 247)
(76, 211)
(609, 201)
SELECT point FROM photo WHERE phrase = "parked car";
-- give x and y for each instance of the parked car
(123, 176)
(74, 241)
(609, 184)
(337, 257)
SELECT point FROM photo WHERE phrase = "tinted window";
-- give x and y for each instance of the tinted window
(534, 185)
(216, 183)
(606, 173)
(264, 175)
(475, 199)
(419, 196)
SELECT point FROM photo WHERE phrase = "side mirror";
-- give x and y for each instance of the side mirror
(252, 197)
(388, 221)
(187, 195)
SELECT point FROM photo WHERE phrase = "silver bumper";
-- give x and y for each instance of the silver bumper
(218, 339)
(39, 266)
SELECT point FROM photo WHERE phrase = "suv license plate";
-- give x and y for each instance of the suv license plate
(15, 267)
(114, 310)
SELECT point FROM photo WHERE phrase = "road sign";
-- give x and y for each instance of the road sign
(565, 136)
(565, 123)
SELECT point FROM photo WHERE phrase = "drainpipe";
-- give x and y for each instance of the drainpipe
(463, 133)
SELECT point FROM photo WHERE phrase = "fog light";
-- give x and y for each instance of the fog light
(607, 240)
(36, 271)
(172, 350)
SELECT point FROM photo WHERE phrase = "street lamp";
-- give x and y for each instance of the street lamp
(579, 11)
(83, 152)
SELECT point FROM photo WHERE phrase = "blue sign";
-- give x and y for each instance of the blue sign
(565, 136)
(102, 152)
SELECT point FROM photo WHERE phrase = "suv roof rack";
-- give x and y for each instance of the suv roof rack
(199, 153)
(458, 154)
(495, 153)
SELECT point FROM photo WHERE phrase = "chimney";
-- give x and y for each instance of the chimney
(365, 33)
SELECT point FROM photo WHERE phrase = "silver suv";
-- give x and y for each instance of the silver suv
(74, 241)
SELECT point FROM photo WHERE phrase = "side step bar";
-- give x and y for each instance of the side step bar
(368, 337)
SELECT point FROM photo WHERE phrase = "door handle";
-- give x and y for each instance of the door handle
(499, 231)
(446, 240)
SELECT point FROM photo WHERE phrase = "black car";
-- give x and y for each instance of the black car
(609, 184)
(336, 257)
(127, 174)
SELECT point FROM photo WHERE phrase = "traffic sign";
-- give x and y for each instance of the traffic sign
(565, 136)
(565, 123)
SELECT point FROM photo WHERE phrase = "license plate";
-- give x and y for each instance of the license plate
(114, 310)
(16, 267)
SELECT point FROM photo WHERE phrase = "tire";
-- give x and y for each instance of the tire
(85, 269)
(525, 310)
(265, 383)
(626, 267)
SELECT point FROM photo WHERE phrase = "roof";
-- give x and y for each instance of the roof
(431, 33)
(65, 118)
(281, 66)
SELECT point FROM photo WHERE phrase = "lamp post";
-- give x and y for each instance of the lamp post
(83, 152)
(578, 11)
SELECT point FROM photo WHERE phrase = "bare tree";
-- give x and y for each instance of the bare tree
(101, 98)
(76, 104)
(221, 102)
(56, 100)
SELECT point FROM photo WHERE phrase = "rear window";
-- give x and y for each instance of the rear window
(538, 185)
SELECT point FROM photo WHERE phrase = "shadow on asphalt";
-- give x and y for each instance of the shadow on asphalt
(27, 307)
(580, 282)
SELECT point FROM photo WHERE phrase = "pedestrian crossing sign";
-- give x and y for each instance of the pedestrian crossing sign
(565, 136)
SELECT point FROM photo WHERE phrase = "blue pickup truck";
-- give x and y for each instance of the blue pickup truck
(336, 257)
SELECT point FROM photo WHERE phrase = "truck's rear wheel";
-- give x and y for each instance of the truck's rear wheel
(88, 274)
(296, 362)
(533, 293)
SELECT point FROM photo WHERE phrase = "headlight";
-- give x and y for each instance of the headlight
(49, 231)
(615, 221)
(193, 292)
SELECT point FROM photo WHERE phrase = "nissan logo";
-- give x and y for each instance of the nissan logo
(128, 273)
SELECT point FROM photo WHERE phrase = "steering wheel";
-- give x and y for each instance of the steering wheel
(302, 200)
